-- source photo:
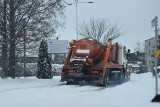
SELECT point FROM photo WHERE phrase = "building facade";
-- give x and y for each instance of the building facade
(149, 53)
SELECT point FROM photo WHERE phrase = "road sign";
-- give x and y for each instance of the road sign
(154, 22)
(57, 46)
(157, 53)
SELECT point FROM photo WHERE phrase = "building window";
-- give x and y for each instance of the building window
(149, 52)
(149, 43)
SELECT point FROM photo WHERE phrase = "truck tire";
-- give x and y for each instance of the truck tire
(106, 79)
(76, 82)
(69, 82)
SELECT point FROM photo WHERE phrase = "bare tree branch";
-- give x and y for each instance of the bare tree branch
(99, 29)
(139, 47)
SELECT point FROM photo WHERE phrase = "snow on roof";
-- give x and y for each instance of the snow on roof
(135, 65)
(138, 62)
(158, 67)
(57, 65)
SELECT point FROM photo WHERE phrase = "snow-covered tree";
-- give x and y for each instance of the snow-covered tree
(29, 21)
(44, 62)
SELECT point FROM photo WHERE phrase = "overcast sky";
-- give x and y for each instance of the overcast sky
(133, 16)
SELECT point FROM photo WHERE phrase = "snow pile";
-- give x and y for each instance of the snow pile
(135, 65)
(32, 92)
(57, 69)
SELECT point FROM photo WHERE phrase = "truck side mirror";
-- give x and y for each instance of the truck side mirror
(128, 53)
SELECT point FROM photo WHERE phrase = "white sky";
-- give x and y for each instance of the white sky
(133, 16)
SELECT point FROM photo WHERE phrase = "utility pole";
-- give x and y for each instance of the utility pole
(156, 32)
(154, 22)
(76, 19)
(76, 2)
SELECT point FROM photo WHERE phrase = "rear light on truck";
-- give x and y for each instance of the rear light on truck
(94, 72)
(71, 71)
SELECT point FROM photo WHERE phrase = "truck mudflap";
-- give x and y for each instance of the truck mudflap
(79, 77)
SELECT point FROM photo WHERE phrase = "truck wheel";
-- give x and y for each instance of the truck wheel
(69, 82)
(76, 82)
(106, 80)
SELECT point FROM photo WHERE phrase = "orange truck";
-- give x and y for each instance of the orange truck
(89, 60)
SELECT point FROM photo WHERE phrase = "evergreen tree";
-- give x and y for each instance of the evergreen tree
(44, 62)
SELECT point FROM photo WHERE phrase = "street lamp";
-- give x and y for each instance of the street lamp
(76, 2)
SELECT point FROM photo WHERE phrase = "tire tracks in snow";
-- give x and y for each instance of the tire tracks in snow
(22, 88)
(98, 88)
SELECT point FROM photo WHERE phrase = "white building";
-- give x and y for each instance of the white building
(149, 53)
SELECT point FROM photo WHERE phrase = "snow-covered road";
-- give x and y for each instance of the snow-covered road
(33, 92)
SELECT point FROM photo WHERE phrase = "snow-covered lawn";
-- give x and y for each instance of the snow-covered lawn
(33, 92)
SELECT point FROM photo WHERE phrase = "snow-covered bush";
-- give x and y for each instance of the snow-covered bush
(1, 73)
(30, 69)
(57, 69)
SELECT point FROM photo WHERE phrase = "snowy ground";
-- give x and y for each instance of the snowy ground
(33, 92)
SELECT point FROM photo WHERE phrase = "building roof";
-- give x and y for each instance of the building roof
(133, 58)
